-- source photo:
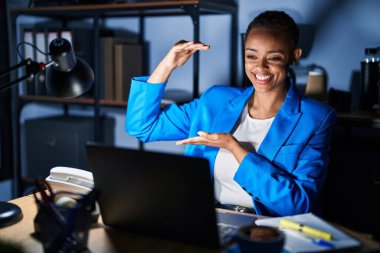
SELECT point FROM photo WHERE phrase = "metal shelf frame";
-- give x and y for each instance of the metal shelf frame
(192, 8)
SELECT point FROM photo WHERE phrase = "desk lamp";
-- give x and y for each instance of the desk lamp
(66, 76)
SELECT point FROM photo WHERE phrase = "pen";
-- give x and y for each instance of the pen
(316, 241)
(305, 229)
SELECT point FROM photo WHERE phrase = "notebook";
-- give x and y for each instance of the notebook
(295, 243)
(164, 195)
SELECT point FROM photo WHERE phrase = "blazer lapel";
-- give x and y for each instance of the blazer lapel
(230, 114)
(226, 119)
(283, 125)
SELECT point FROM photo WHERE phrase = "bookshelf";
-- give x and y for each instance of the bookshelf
(98, 12)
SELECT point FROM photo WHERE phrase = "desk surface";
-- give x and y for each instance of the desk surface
(103, 239)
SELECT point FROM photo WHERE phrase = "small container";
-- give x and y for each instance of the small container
(369, 79)
(316, 85)
(64, 229)
(260, 239)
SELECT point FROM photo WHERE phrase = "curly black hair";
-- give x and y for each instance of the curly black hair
(278, 21)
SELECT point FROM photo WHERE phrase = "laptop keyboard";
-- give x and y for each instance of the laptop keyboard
(226, 232)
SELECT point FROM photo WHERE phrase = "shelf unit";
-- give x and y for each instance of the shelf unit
(192, 8)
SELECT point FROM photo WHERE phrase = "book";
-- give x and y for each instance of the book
(128, 63)
(296, 243)
(107, 45)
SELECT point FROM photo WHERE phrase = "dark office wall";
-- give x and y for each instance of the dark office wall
(352, 190)
(62, 139)
(5, 119)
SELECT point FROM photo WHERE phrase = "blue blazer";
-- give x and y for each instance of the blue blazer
(286, 174)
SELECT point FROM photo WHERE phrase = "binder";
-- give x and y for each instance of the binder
(67, 34)
(51, 35)
(40, 79)
(29, 53)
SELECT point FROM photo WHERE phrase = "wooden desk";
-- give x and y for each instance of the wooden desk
(101, 238)
(106, 240)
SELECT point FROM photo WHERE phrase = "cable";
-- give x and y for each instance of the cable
(29, 44)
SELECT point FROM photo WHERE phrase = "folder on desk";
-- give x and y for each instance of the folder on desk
(294, 244)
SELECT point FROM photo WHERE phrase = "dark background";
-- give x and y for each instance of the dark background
(5, 119)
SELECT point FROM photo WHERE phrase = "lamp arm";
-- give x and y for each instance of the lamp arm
(31, 68)
(4, 72)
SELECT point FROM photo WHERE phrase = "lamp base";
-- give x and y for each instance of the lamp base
(9, 214)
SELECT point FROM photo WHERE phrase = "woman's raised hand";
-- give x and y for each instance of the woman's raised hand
(176, 57)
(181, 52)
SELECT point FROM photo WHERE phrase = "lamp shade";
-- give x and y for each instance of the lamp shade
(72, 83)
(70, 76)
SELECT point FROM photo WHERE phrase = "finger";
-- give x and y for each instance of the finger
(189, 141)
(201, 43)
(196, 47)
(181, 42)
(188, 51)
(202, 133)
(193, 140)
(212, 137)
(182, 45)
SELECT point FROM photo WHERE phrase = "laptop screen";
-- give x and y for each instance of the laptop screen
(164, 195)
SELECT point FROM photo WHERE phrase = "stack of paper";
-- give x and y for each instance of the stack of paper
(295, 243)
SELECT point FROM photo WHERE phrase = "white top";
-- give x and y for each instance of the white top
(250, 133)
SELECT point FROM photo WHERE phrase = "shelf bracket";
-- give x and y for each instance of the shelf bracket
(193, 11)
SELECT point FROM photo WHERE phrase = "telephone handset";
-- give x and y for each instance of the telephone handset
(70, 179)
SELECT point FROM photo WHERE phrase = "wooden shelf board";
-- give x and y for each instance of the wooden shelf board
(136, 9)
(83, 101)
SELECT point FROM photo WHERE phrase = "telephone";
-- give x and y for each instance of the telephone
(70, 179)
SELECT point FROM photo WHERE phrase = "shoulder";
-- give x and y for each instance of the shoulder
(317, 110)
(312, 105)
(222, 92)
(217, 97)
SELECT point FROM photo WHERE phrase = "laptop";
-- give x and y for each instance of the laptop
(164, 195)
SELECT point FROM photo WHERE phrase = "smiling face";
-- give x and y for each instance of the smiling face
(267, 59)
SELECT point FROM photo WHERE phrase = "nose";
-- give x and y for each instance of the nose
(262, 63)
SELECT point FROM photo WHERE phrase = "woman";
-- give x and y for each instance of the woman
(267, 145)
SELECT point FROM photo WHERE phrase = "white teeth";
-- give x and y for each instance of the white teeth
(262, 77)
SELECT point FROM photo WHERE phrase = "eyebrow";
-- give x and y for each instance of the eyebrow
(268, 52)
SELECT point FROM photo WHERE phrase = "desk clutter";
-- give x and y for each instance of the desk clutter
(309, 233)
(63, 218)
(104, 239)
(63, 222)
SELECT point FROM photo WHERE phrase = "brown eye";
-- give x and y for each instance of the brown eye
(251, 57)
(274, 59)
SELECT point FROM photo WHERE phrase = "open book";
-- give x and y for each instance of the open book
(296, 243)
